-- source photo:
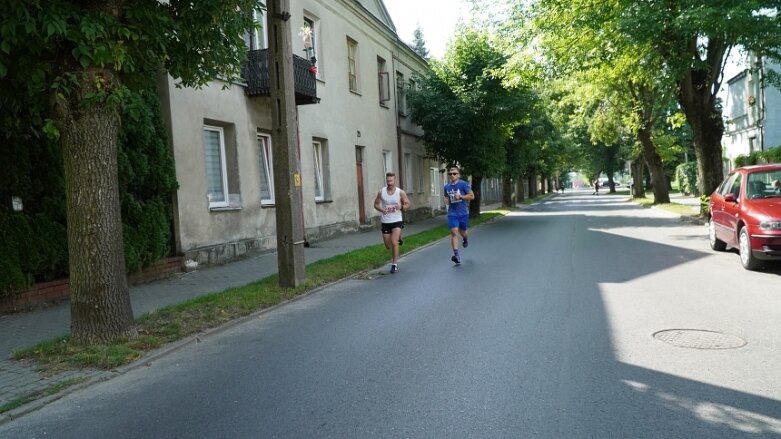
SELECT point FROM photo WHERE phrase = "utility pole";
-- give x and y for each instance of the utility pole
(287, 151)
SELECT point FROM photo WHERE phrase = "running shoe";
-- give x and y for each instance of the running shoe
(466, 242)
(456, 259)
(394, 268)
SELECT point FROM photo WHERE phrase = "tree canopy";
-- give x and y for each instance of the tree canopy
(680, 41)
(467, 108)
(419, 43)
(70, 65)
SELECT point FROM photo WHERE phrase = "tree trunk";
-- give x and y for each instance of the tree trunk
(508, 195)
(707, 126)
(519, 190)
(638, 168)
(654, 162)
(99, 296)
(474, 205)
(532, 187)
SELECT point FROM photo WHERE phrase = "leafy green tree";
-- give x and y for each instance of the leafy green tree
(689, 39)
(84, 58)
(419, 43)
(466, 110)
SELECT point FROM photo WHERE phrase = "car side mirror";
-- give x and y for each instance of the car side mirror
(730, 198)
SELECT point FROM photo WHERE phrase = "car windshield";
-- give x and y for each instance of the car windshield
(764, 184)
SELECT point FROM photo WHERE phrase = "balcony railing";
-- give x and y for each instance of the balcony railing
(258, 83)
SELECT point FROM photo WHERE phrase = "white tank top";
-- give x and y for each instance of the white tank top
(393, 203)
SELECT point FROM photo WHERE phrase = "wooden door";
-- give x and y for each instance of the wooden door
(359, 179)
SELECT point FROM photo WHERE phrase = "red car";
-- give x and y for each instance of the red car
(745, 213)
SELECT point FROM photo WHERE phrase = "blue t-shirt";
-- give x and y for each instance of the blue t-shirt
(457, 207)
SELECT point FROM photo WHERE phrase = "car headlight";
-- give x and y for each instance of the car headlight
(770, 225)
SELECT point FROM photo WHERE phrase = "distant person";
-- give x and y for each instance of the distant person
(457, 191)
(776, 185)
(391, 201)
(596, 187)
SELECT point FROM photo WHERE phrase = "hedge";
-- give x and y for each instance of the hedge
(34, 246)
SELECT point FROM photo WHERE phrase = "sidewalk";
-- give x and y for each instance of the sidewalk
(18, 380)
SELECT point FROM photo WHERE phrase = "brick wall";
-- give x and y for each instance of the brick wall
(43, 292)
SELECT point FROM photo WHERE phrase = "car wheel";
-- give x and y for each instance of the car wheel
(715, 243)
(746, 257)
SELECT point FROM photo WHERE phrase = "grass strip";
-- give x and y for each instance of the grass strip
(678, 208)
(175, 322)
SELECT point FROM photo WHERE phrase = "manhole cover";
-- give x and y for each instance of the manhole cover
(699, 339)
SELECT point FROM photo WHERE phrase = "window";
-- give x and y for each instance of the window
(320, 162)
(386, 162)
(383, 81)
(257, 38)
(434, 184)
(266, 166)
(222, 168)
(420, 176)
(311, 32)
(732, 185)
(401, 94)
(352, 64)
(216, 172)
(407, 172)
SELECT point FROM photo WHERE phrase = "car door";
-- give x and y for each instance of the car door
(731, 210)
(717, 215)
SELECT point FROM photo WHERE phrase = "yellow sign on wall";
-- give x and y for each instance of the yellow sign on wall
(297, 179)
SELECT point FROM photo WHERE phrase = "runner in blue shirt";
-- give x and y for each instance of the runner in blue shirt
(457, 192)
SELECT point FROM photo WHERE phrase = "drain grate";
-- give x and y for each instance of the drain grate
(699, 339)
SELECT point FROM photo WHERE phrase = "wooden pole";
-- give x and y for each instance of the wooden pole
(287, 151)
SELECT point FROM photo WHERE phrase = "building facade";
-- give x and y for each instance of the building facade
(752, 111)
(352, 76)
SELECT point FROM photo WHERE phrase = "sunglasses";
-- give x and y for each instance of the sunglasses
(453, 173)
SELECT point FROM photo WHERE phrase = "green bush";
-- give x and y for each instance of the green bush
(34, 242)
(705, 205)
(33, 248)
(146, 233)
(147, 179)
(686, 176)
(771, 155)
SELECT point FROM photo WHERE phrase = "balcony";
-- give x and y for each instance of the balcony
(258, 83)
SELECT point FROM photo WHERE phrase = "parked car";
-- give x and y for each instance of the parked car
(745, 213)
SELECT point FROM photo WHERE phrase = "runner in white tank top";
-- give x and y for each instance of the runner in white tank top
(390, 201)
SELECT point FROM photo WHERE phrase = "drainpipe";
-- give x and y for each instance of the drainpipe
(761, 101)
(399, 149)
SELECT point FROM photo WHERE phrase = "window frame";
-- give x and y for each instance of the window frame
(401, 94)
(257, 39)
(352, 66)
(314, 25)
(317, 163)
(222, 165)
(408, 180)
(387, 162)
(266, 162)
(383, 82)
(421, 178)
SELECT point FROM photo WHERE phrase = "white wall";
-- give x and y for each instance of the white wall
(343, 120)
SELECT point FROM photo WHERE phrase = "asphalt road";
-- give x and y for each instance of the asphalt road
(546, 330)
